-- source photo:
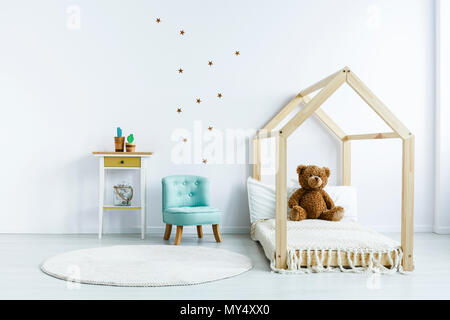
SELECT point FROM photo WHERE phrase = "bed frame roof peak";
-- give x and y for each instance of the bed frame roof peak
(327, 87)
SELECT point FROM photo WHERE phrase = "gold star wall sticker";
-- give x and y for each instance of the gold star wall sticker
(210, 63)
(198, 100)
(219, 95)
(237, 53)
(180, 70)
(182, 32)
(158, 20)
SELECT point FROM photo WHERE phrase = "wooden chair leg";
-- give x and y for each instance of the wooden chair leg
(178, 235)
(215, 228)
(200, 231)
(168, 231)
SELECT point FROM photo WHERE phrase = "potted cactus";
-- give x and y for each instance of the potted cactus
(130, 145)
(119, 140)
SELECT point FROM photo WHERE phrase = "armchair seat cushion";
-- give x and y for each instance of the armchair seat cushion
(191, 216)
(192, 210)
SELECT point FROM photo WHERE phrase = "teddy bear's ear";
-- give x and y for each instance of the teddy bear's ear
(300, 169)
(327, 171)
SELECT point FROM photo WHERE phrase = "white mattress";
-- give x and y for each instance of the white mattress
(317, 235)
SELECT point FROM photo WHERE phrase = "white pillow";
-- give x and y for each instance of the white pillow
(346, 197)
(261, 199)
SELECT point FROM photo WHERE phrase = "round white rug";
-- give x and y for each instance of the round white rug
(146, 265)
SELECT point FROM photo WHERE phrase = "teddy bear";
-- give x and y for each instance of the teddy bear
(311, 201)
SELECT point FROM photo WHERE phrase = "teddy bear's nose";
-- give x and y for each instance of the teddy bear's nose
(317, 178)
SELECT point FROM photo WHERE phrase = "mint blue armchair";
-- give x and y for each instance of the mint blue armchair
(185, 202)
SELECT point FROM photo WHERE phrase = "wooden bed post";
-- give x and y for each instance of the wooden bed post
(257, 158)
(281, 202)
(408, 203)
(346, 163)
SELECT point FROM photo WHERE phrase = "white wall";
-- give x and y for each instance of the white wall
(63, 92)
(442, 129)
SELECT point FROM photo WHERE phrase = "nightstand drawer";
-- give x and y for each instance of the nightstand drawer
(122, 161)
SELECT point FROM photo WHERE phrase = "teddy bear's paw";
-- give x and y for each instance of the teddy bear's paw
(339, 214)
(297, 213)
(334, 214)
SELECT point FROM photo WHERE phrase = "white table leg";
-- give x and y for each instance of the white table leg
(143, 199)
(101, 197)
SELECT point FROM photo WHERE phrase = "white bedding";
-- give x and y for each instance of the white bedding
(314, 236)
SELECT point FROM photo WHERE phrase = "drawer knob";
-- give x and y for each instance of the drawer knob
(121, 161)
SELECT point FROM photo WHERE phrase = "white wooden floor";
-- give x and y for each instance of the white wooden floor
(21, 278)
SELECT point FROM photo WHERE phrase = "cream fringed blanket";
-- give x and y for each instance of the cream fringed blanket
(321, 246)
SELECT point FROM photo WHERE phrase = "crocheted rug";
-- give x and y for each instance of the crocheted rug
(146, 265)
(312, 243)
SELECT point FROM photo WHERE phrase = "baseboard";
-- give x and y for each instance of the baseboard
(160, 230)
(391, 228)
(223, 230)
(441, 230)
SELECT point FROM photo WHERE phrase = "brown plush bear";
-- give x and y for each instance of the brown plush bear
(311, 201)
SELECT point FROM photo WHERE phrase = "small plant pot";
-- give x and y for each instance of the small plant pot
(131, 147)
(119, 143)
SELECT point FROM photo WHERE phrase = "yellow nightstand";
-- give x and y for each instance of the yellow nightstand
(121, 161)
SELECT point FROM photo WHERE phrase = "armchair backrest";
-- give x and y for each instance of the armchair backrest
(185, 191)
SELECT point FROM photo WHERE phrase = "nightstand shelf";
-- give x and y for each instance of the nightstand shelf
(112, 207)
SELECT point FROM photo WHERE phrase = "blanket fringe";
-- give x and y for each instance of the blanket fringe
(372, 265)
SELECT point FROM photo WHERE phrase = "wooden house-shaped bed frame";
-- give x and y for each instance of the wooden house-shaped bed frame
(327, 87)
